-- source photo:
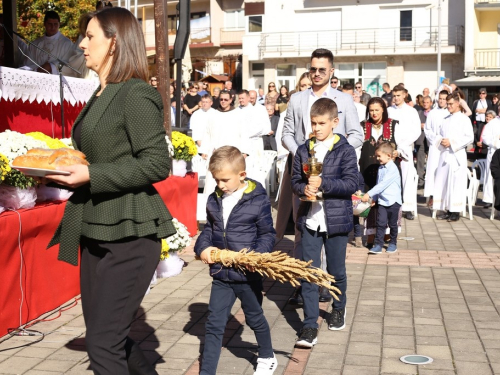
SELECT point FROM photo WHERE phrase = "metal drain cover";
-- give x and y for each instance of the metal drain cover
(415, 359)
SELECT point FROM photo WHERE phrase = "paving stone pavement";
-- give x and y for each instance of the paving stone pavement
(439, 295)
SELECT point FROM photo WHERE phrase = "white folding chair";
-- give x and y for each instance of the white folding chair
(481, 164)
(473, 186)
(492, 215)
(269, 168)
(199, 165)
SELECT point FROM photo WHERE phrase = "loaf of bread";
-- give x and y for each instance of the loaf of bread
(50, 159)
(66, 152)
(69, 160)
(33, 161)
(40, 151)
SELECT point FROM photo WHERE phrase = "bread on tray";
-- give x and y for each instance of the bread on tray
(50, 159)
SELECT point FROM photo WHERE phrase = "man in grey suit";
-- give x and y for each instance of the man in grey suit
(297, 125)
(297, 122)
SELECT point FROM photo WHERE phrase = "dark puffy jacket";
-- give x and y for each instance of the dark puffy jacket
(339, 182)
(250, 225)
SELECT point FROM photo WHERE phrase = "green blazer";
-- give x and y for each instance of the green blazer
(124, 141)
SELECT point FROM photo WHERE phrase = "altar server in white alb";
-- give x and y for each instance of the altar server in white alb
(432, 130)
(200, 119)
(491, 138)
(55, 43)
(224, 129)
(408, 131)
(255, 122)
(450, 185)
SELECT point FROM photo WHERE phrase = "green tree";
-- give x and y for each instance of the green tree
(31, 13)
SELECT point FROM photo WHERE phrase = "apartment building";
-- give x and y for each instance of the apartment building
(372, 41)
(217, 28)
(482, 47)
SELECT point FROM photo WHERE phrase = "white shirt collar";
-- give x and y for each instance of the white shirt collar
(324, 95)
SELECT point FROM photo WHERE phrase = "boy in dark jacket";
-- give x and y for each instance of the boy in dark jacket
(238, 217)
(325, 222)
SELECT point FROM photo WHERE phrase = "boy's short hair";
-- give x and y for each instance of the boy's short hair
(324, 106)
(385, 147)
(398, 88)
(227, 156)
(444, 92)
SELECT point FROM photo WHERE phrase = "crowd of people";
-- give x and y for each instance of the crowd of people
(379, 148)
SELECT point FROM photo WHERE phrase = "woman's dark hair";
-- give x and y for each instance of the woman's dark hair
(83, 22)
(381, 102)
(460, 93)
(129, 57)
(286, 88)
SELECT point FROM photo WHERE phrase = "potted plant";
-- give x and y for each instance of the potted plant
(184, 150)
(170, 263)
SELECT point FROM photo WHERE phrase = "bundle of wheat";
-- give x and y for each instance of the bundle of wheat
(276, 265)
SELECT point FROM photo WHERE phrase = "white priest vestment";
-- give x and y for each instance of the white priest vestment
(432, 130)
(491, 138)
(450, 184)
(224, 129)
(59, 46)
(199, 122)
(406, 133)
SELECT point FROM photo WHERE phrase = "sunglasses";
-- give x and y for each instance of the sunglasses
(334, 82)
(358, 87)
(153, 79)
(272, 86)
(224, 100)
(321, 71)
(482, 93)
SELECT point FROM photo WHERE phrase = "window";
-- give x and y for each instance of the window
(286, 76)
(255, 24)
(234, 19)
(405, 24)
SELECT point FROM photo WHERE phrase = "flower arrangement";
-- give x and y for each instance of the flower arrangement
(52, 143)
(4, 167)
(67, 142)
(164, 249)
(179, 241)
(13, 144)
(184, 146)
(170, 146)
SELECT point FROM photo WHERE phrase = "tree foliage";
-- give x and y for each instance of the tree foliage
(31, 13)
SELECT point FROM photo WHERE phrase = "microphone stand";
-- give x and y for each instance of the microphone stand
(60, 64)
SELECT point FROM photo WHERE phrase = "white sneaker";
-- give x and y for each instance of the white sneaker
(266, 366)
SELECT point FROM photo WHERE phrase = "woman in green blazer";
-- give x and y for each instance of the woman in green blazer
(115, 214)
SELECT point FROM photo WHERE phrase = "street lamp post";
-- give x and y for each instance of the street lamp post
(439, 45)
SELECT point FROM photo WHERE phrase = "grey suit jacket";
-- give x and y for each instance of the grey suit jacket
(294, 128)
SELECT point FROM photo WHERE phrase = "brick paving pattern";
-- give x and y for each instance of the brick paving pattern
(439, 295)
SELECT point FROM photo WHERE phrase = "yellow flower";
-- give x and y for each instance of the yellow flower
(52, 143)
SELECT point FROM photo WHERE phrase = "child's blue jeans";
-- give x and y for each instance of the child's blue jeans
(222, 298)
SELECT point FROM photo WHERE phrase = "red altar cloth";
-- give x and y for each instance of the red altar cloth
(180, 196)
(47, 282)
(30, 117)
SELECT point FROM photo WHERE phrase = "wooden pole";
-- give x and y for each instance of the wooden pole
(10, 22)
(162, 58)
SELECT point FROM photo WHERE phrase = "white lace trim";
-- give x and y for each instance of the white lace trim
(24, 85)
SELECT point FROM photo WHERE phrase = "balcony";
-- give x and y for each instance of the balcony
(486, 4)
(487, 59)
(199, 36)
(231, 36)
(390, 41)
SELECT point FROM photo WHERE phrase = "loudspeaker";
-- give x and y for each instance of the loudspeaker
(183, 29)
